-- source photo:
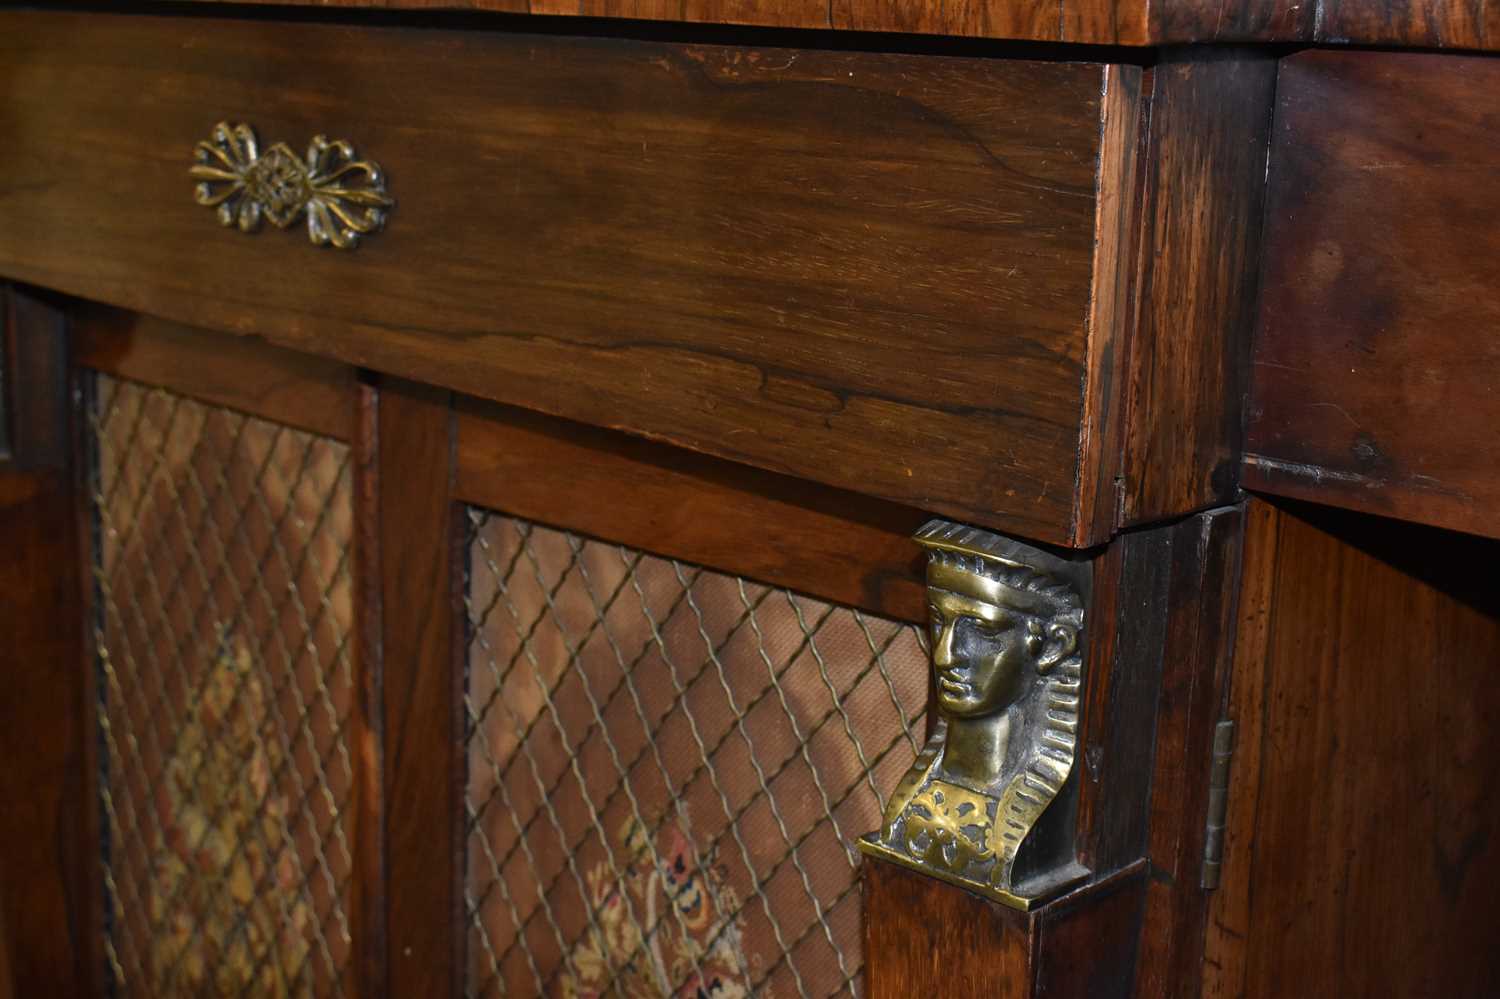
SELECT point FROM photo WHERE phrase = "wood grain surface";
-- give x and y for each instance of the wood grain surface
(1113, 310)
(1160, 645)
(1189, 358)
(7, 978)
(368, 888)
(51, 882)
(1087, 943)
(1361, 850)
(34, 351)
(824, 542)
(1200, 600)
(421, 662)
(241, 373)
(1162, 613)
(873, 270)
(1423, 23)
(1376, 367)
(924, 937)
(48, 867)
(927, 938)
(1106, 833)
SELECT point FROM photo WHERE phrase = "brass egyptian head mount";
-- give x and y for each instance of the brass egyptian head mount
(988, 804)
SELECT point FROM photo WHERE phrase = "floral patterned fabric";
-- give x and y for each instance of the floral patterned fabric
(222, 883)
(224, 602)
(697, 946)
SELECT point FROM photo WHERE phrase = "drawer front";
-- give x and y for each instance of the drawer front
(874, 270)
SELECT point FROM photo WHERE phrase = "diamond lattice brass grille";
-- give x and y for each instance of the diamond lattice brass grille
(222, 622)
(668, 767)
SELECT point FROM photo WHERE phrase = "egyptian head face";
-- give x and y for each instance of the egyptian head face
(1006, 630)
(988, 640)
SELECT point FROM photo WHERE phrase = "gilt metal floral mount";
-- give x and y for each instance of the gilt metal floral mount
(987, 804)
(343, 197)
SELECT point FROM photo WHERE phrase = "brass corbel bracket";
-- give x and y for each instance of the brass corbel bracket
(1006, 626)
(343, 197)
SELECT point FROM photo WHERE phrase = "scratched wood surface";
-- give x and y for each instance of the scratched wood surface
(872, 270)
(1375, 367)
(1360, 857)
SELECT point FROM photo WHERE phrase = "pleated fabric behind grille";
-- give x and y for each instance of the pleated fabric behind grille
(222, 620)
(668, 767)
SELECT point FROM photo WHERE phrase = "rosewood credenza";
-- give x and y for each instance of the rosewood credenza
(749, 498)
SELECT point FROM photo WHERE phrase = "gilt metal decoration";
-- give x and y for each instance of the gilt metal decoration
(1006, 624)
(343, 197)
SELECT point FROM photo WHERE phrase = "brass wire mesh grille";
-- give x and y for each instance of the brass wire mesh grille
(222, 624)
(668, 767)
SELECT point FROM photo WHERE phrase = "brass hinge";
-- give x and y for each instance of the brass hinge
(1218, 804)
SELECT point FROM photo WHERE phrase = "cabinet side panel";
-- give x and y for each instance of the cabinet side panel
(1361, 849)
(1375, 359)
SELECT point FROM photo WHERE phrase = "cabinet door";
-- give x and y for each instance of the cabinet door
(373, 689)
